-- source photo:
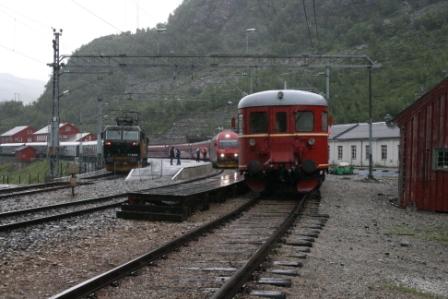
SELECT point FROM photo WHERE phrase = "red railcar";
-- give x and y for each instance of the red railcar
(225, 150)
(283, 140)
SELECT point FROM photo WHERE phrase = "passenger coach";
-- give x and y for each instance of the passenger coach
(283, 140)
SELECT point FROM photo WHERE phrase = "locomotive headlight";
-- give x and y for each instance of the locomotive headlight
(235, 155)
(222, 155)
(252, 142)
(311, 141)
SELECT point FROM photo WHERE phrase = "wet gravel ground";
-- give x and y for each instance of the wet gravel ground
(43, 260)
(369, 248)
(99, 188)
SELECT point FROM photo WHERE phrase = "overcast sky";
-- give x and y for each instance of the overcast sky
(26, 28)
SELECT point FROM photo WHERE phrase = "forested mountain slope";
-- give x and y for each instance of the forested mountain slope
(408, 39)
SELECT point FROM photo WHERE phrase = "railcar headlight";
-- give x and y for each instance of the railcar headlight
(252, 142)
(311, 141)
(221, 155)
(235, 155)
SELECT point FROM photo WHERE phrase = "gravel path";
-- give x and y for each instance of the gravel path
(371, 249)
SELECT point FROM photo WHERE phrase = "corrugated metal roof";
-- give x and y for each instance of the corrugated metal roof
(337, 130)
(45, 129)
(361, 131)
(14, 131)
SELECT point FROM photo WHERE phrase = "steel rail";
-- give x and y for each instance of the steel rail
(91, 285)
(10, 226)
(43, 190)
(34, 186)
(234, 284)
(61, 205)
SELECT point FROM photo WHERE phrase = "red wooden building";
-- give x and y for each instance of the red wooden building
(424, 151)
(25, 153)
(18, 134)
(66, 132)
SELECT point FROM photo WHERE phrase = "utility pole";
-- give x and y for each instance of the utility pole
(327, 77)
(370, 176)
(99, 144)
(53, 142)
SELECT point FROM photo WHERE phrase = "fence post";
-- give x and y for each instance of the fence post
(19, 179)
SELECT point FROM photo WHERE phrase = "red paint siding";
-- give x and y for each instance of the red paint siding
(26, 154)
(424, 128)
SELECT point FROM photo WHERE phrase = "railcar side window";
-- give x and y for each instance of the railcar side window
(258, 122)
(281, 122)
(324, 123)
(304, 121)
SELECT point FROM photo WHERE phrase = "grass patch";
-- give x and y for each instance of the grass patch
(429, 233)
(411, 291)
(34, 172)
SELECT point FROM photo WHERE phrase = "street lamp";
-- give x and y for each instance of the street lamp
(248, 30)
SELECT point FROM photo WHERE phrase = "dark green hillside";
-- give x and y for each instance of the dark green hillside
(408, 38)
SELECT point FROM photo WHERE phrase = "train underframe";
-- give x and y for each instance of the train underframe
(285, 179)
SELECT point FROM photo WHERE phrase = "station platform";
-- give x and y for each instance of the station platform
(162, 168)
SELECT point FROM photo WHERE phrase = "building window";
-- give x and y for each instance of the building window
(383, 152)
(339, 152)
(441, 159)
(353, 152)
(367, 152)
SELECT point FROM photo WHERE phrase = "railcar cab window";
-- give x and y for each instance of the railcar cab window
(324, 123)
(228, 143)
(258, 122)
(281, 122)
(130, 135)
(113, 135)
(304, 121)
(240, 123)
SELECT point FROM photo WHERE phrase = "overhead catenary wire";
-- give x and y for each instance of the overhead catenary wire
(315, 21)
(97, 16)
(22, 54)
(307, 23)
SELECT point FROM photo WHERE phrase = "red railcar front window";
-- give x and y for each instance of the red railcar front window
(258, 122)
(304, 121)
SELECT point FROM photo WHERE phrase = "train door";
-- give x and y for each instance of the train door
(280, 140)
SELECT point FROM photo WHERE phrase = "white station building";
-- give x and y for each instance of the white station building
(350, 143)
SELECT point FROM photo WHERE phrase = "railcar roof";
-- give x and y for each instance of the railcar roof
(282, 98)
(115, 127)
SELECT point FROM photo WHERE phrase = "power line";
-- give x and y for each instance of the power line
(315, 21)
(42, 24)
(97, 16)
(22, 54)
(307, 23)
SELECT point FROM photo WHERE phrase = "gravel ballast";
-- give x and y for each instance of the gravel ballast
(369, 248)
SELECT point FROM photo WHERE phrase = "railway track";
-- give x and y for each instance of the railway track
(32, 189)
(218, 258)
(32, 216)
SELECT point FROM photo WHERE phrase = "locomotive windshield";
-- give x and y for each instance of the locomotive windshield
(304, 121)
(131, 135)
(113, 134)
(228, 143)
(258, 122)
